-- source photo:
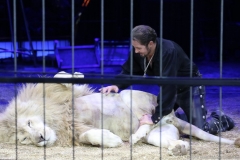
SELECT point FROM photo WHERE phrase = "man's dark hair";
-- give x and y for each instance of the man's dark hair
(144, 34)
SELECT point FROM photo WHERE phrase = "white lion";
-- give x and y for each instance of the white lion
(42, 114)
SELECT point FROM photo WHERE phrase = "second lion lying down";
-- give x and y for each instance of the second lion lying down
(45, 117)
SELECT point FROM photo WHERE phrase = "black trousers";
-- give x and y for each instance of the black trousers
(192, 105)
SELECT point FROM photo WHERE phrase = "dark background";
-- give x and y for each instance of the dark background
(176, 22)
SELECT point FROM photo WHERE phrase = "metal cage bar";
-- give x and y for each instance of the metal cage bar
(103, 79)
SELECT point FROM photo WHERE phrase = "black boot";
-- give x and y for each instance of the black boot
(213, 124)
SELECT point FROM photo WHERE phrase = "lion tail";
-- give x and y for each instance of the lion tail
(189, 129)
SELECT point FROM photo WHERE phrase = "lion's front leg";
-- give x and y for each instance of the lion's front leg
(142, 131)
(100, 137)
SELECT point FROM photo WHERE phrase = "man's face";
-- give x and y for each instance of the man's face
(140, 49)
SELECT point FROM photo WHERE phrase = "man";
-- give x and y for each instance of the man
(175, 63)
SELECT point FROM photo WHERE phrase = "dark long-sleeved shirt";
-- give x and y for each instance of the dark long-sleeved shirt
(175, 64)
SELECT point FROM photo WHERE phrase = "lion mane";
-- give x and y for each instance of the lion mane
(54, 103)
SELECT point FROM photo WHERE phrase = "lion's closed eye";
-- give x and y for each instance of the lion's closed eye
(29, 123)
(24, 139)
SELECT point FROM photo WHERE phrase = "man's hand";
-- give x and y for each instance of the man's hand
(109, 89)
(146, 119)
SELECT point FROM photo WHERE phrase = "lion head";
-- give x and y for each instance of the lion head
(43, 114)
(32, 130)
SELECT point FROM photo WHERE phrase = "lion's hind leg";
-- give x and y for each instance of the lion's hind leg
(100, 137)
(161, 136)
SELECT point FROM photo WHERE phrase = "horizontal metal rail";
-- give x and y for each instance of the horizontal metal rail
(133, 80)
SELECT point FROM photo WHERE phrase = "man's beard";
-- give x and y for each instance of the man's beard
(148, 52)
(145, 55)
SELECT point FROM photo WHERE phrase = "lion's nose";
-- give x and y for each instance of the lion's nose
(41, 138)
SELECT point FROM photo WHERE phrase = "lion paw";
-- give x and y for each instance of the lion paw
(100, 137)
(142, 131)
(177, 150)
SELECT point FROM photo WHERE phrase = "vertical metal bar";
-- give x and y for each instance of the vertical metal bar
(102, 37)
(160, 74)
(16, 117)
(72, 34)
(15, 35)
(15, 71)
(221, 61)
(131, 27)
(102, 66)
(72, 40)
(221, 37)
(131, 69)
(191, 37)
(43, 50)
(161, 35)
(191, 63)
(43, 34)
